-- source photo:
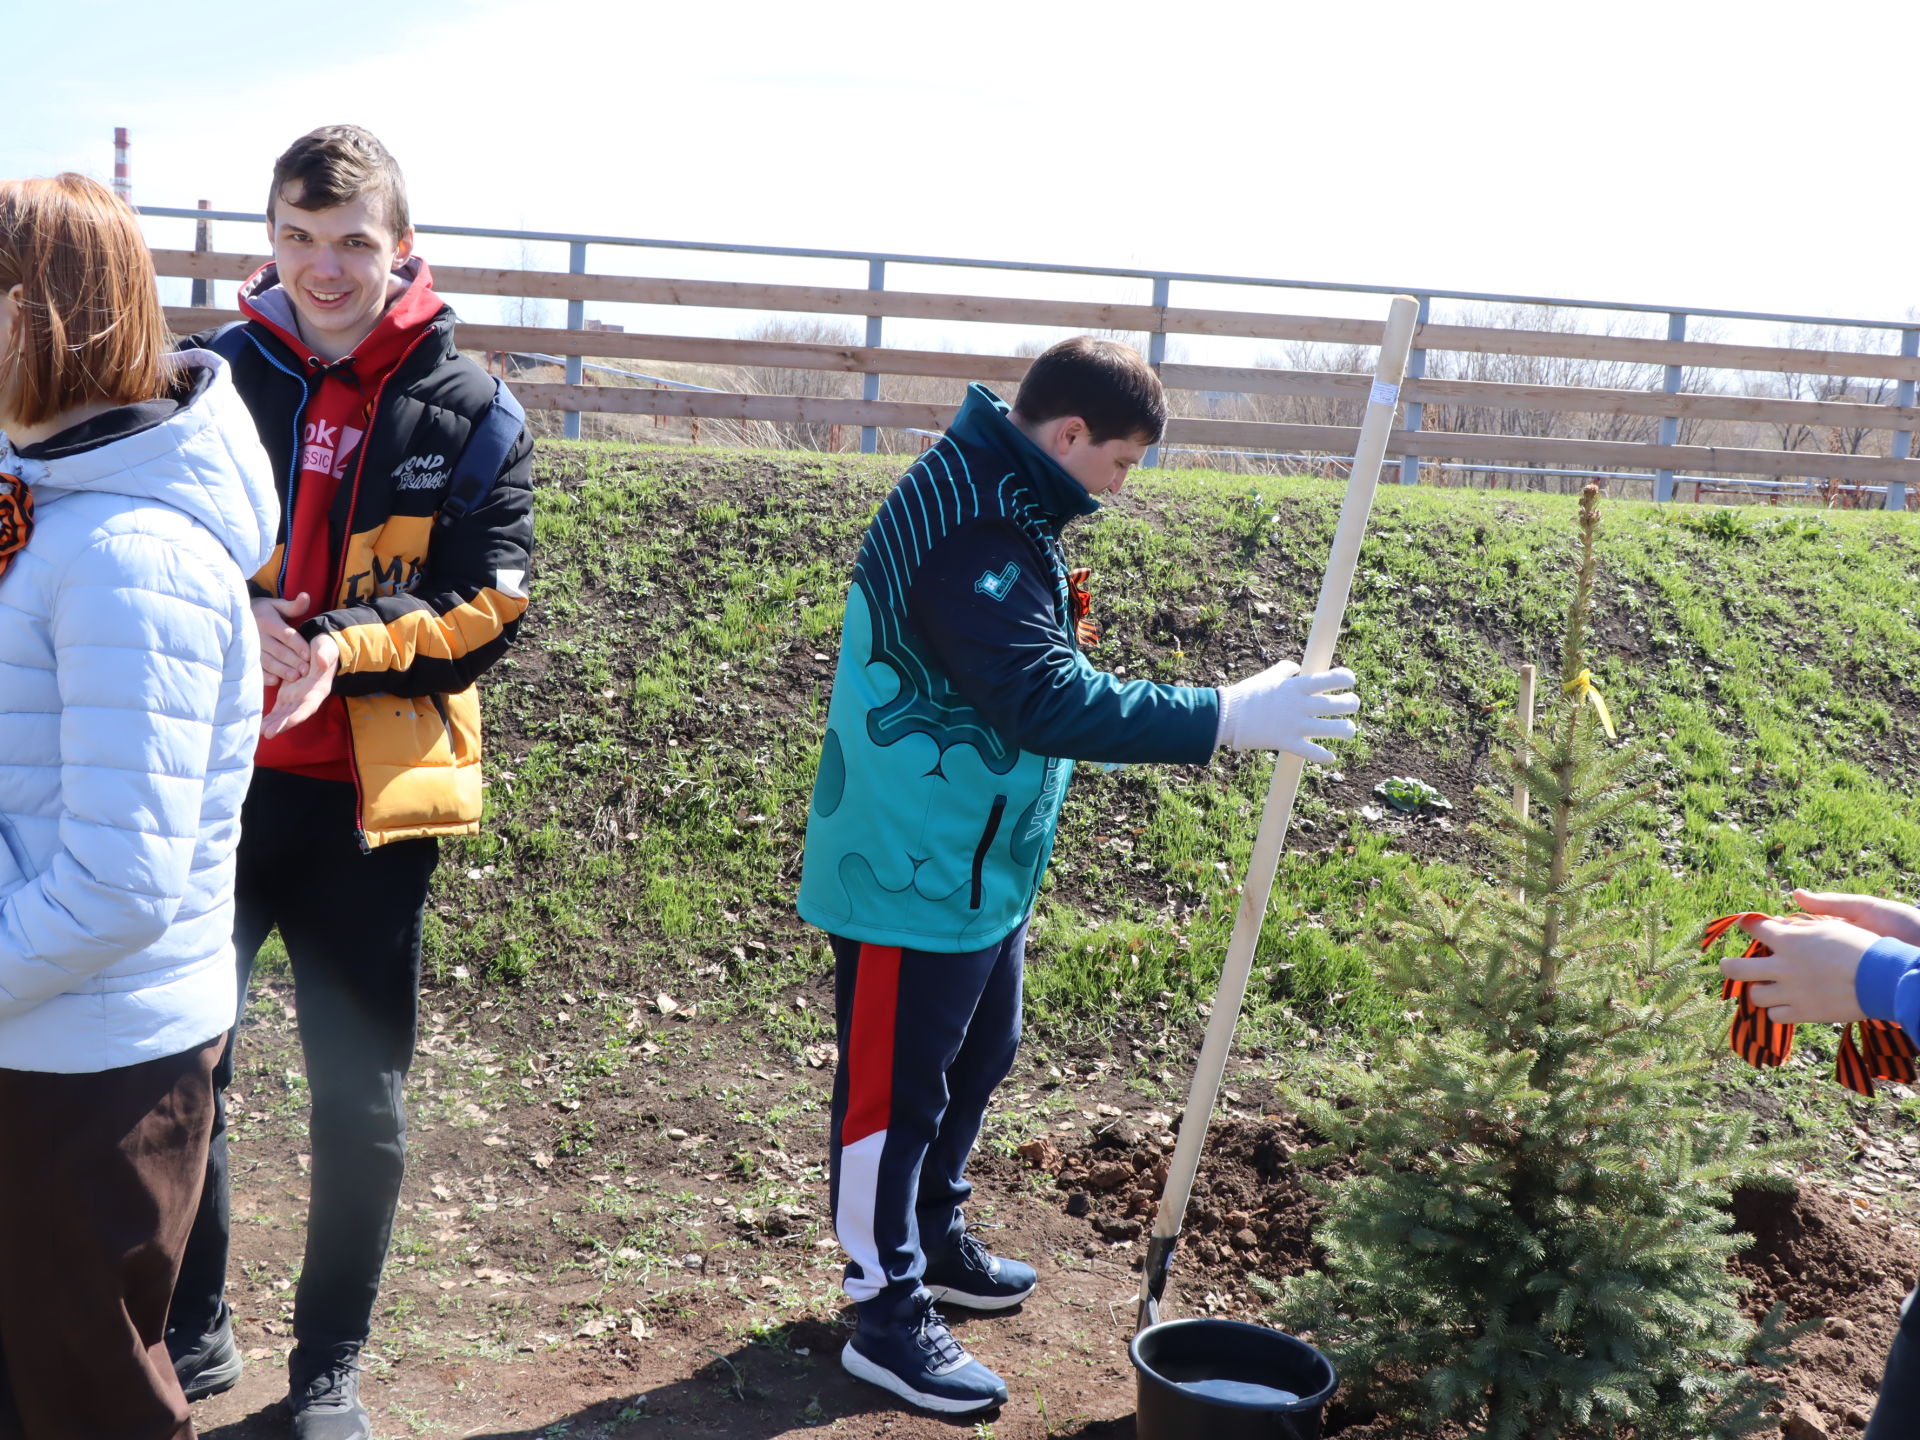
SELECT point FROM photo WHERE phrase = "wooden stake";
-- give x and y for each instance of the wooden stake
(1522, 797)
(1527, 675)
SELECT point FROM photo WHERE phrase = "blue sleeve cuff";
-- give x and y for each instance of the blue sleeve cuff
(1879, 982)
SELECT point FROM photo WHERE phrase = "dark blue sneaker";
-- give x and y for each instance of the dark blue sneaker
(976, 1280)
(913, 1355)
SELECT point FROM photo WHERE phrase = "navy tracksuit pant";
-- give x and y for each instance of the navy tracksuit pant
(925, 1038)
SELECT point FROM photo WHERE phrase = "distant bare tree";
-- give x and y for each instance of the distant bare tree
(525, 309)
(1846, 439)
(1465, 416)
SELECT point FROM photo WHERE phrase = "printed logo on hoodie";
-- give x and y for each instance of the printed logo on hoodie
(420, 472)
(327, 448)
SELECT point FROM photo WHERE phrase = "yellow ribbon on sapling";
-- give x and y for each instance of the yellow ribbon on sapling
(1581, 687)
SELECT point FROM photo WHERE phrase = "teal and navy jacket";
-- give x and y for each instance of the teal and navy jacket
(962, 699)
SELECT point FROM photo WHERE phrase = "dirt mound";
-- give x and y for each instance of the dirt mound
(1250, 1213)
(1839, 1262)
(1842, 1263)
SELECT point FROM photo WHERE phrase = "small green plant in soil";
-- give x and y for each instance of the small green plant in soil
(1535, 1241)
(1410, 795)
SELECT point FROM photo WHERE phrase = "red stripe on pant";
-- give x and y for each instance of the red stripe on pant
(870, 1046)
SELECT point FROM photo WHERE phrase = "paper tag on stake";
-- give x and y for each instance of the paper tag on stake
(1384, 394)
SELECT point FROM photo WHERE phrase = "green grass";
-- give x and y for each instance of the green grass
(653, 737)
(1759, 662)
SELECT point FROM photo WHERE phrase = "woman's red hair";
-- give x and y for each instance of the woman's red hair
(88, 328)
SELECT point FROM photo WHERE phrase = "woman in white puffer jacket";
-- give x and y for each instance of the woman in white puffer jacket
(134, 501)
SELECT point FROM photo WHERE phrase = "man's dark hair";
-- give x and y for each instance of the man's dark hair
(1104, 382)
(336, 165)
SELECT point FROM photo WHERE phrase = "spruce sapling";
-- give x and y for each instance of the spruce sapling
(1535, 1243)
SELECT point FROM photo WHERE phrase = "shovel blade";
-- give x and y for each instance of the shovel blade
(1153, 1276)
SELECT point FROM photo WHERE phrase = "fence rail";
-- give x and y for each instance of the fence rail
(1847, 418)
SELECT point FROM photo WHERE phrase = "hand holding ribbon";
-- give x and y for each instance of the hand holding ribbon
(1884, 1051)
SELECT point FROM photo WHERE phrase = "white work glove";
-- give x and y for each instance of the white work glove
(1281, 709)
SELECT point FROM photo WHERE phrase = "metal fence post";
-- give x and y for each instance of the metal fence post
(1414, 412)
(870, 385)
(1669, 424)
(202, 290)
(1903, 439)
(576, 320)
(1157, 354)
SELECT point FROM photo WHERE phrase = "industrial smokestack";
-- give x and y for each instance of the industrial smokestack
(122, 176)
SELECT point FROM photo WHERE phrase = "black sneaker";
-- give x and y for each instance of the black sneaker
(323, 1395)
(206, 1362)
(976, 1280)
(913, 1355)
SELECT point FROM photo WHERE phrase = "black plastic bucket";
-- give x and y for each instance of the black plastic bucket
(1227, 1380)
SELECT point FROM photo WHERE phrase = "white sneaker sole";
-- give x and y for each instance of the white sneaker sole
(861, 1368)
(978, 1302)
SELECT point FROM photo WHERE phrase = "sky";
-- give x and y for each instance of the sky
(1685, 153)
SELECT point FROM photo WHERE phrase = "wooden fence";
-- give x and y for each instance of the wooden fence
(1886, 427)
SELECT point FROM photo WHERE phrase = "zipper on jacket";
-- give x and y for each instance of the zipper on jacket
(986, 843)
(371, 412)
(293, 465)
(340, 573)
(353, 500)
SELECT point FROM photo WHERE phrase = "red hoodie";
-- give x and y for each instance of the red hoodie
(341, 400)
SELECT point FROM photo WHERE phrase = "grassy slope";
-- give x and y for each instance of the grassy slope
(654, 735)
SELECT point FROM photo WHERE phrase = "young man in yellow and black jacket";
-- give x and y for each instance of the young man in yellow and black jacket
(396, 582)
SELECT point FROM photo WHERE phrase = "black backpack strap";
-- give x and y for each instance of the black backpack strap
(478, 467)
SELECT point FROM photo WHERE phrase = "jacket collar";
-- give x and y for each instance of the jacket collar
(985, 423)
(123, 421)
(199, 457)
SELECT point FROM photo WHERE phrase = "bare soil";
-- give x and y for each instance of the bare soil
(641, 1286)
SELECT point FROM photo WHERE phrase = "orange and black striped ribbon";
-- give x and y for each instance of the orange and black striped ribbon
(1884, 1050)
(1080, 603)
(16, 518)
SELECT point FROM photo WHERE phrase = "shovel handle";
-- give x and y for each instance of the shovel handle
(1335, 586)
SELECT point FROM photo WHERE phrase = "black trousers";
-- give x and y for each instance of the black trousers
(351, 925)
(1897, 1415)
(99, 1176)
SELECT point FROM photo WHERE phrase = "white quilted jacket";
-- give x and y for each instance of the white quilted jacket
(129, 708)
